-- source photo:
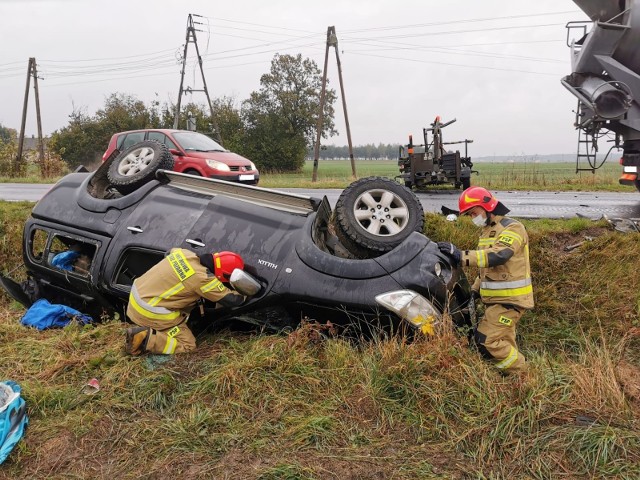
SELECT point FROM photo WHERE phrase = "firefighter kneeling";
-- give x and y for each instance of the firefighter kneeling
(504, 280)
(162, 298)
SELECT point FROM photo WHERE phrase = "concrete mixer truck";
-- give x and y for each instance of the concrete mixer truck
(605, 78)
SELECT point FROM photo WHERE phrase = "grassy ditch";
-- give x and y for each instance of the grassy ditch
(257, 406)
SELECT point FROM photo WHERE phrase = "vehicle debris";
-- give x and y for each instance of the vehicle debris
(570, 248)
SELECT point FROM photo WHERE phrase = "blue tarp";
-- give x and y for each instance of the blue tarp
(64, 260)
(13, 417)
(42, 315)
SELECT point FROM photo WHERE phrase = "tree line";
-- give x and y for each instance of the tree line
(274, 127)
(369, 151)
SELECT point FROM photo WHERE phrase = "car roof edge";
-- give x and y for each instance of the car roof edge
(284, 201)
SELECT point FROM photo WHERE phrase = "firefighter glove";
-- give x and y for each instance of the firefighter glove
(451, 251)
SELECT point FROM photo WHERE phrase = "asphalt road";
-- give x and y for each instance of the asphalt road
(529, 204)
(522, 204)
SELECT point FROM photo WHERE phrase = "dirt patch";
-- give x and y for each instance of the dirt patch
(567, 243)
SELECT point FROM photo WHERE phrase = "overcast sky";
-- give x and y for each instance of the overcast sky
(493, 65)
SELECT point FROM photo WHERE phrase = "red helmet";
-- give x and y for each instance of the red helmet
(477, 197)
(226, 262)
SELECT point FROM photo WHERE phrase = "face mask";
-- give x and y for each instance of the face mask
(479, 221)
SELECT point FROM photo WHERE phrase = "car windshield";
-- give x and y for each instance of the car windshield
(197, 142)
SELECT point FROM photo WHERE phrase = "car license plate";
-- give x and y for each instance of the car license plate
(246, 177)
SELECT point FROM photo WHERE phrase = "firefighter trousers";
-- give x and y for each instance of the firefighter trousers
(167, 339)
(495, 337)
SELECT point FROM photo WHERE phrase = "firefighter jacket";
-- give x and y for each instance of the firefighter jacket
(502, 259)
(170, 289)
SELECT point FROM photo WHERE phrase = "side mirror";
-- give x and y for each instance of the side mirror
(175, 152)
(244, 283)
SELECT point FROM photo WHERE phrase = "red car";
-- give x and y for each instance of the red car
(193, 153)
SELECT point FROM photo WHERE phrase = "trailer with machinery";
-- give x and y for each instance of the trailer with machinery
(432, 164)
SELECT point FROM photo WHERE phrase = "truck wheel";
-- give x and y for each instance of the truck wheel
(374, 214)
(466, 183)
(138, 164)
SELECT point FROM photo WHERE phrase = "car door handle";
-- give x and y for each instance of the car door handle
(135, 229)
(195, 243)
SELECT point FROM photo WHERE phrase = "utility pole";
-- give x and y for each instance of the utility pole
(332, 41)
(31, 72)
(191, 38)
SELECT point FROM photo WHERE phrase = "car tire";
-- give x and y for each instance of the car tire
(374, 214)
(138, 164)
(193, 172)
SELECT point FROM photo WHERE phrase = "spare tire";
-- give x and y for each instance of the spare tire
(374, 214)
(138, 164)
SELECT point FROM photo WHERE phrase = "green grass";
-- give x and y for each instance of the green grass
(496, 176)
(261, 406)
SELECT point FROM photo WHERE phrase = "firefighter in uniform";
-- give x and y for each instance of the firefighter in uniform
(504, 280)
(162, 298)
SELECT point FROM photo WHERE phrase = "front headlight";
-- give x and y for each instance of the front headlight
(412, 307)
(253, 166)
(222, 167)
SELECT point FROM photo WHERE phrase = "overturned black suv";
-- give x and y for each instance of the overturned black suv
(367, 263)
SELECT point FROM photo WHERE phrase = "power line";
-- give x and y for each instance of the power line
(459, 65)
(473, 20)
(116, 67)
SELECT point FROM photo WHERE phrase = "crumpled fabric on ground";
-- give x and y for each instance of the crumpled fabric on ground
(13, 417)
(43, 315)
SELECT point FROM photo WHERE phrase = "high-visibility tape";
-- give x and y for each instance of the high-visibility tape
(505, 285)
(169, 293)
(508, 292)
(481, 259)
(170, 346)
(507, 362)
(215, 283)
(149, 311)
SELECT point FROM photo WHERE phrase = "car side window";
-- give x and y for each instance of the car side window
(71, 255)
(37, 244)
(162, 138)
(132, 139)
(132, 263)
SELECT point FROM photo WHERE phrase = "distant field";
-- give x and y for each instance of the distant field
(498, 176)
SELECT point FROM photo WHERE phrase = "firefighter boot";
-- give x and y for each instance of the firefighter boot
(137, 338)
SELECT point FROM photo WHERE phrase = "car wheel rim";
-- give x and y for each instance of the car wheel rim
(136, 161)
(381, 212)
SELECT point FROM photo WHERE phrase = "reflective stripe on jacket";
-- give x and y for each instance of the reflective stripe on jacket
(502, 258)
(171, 288)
